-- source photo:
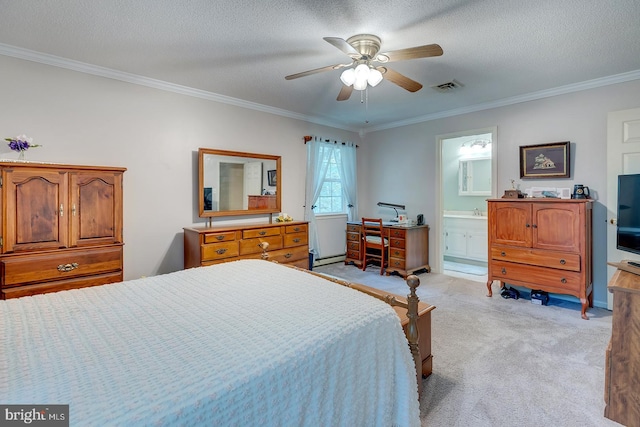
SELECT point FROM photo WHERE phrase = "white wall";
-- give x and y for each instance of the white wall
(85, 119)
(89, 120)
(409, 155)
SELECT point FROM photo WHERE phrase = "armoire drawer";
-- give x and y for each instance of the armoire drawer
(560, 260)
(549, 279)
(60, 265)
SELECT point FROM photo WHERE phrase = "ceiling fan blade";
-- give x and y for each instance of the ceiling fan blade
(343, 46)
(345, 93)
(400, 79)
(315, 71)
(410, 53)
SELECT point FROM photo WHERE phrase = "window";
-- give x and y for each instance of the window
(331, 199)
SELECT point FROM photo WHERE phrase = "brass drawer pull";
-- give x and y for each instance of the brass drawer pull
(288, 255)
(296, 229)
(504, 270)
(221, 251)
(262, 233)
(68, 267)
(296, 240)
(220, 237)
(563, 262)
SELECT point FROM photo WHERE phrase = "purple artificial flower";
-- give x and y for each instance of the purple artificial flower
(20, 143)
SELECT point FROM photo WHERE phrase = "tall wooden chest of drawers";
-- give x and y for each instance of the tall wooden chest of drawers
(61, 227)
(288, 243)
(542, 244)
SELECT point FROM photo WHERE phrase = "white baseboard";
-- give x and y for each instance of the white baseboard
(329, 260)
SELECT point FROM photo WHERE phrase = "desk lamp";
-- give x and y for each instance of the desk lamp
(392, 205)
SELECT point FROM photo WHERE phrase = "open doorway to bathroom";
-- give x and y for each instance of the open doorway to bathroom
(467, 180)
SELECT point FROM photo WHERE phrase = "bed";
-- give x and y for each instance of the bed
(248, 342)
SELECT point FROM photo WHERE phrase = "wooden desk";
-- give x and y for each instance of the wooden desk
(408, 247)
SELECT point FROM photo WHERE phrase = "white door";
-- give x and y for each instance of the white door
(623, 157)
(252, 181)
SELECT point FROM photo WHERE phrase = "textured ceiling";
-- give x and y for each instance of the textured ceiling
(497, 49)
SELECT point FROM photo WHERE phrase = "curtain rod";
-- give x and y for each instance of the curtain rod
(308, 138)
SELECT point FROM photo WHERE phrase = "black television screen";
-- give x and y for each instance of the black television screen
(628, 236)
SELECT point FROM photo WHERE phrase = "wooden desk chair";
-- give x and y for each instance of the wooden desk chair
(375, 245)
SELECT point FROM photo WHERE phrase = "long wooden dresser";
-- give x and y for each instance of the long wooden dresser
(622, 361)
(542, 244)
(288, 243)
(408, 247)
(61, 227)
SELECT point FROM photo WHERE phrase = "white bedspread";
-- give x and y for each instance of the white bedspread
(246, 343)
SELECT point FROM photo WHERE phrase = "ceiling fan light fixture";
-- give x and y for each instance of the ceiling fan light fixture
(360, 84)
(375, 77)
(348, 76)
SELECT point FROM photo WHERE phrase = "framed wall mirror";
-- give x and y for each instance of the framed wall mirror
(235, 183)
(474, 177)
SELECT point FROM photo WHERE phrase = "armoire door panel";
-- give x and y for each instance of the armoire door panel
(36, 210)
(547, 234)
(95, 200)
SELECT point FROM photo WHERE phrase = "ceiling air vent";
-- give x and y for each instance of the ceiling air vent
(448, 87)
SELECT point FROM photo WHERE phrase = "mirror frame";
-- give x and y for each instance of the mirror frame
(208, 151)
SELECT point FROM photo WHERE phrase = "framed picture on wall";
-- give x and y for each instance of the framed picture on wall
(545, 160)
(272, 177)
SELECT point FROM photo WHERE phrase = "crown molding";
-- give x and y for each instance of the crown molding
(56, 61)
(83, 67)
(561, 90)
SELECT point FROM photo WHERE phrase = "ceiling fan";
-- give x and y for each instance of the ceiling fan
(363, 50)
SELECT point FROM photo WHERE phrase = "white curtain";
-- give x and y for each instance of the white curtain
(349, 174)
(318, 152)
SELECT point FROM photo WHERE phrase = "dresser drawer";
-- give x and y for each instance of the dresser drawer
(353, 254)
(219, 237)
(260, 232)
(396, 232)
(353, 237)
(353, 228)
(252, 246)
(60, 265)
(222, 250)
(548, 279)
(285, 256)
(295, 239)
(396, 242)
(397, 263)
(299, 228)
(563, 261)
(397, 253)
(353, 245)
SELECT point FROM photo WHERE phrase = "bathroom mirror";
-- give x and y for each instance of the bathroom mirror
(236, 183)
(474, 177)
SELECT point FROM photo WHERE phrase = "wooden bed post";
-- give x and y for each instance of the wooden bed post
(413, 335)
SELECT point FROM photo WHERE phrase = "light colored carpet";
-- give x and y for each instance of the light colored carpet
(459, 267)
(502, 362)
